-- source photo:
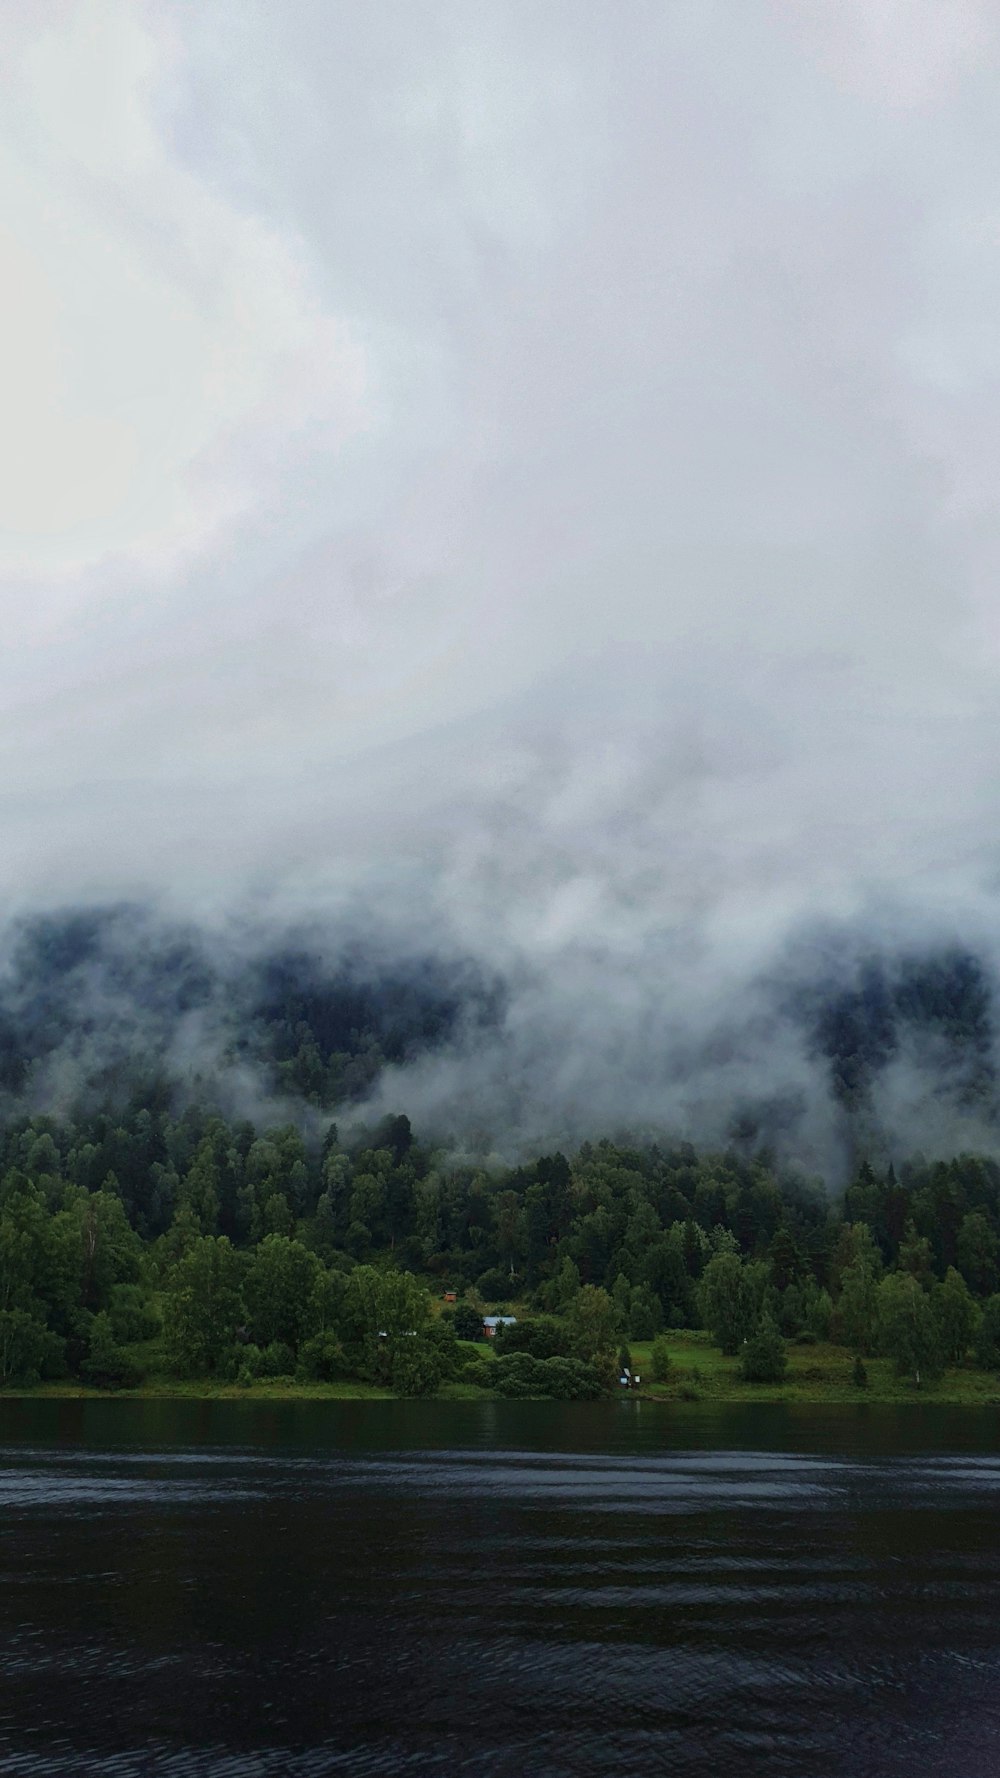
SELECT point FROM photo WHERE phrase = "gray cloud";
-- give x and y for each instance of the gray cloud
(557, 510)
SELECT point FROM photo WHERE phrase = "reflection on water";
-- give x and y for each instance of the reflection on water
(494, 1589)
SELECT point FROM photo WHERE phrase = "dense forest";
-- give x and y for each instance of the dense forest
(251, 1253)
(141, 1213)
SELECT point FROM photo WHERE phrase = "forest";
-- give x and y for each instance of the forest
(237, 1254)
(147, 1227)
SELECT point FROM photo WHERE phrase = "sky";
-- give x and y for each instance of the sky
(525, 470)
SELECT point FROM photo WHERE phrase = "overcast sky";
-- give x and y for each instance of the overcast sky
(531, 464)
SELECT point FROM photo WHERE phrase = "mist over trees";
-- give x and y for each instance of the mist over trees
(171, 1171)
(92, 1001)
(844, 1051)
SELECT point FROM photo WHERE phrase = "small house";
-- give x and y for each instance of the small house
(451, 1296)
(492, 1322)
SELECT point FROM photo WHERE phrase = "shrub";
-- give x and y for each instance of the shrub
(540, 1335)
(28, 1351)
(277, 1360)
(233, 1359)
(763, 1359)
(519, 1376)
(441, 1335)
(571, 1379)
(479, 1371)
(132, 1314)
(321, 1358)
(467, 1322)
(661, 1360)
(605, 1368)
(108, 1365)
(417, 1367)
(987, 1338)
(247, 1363)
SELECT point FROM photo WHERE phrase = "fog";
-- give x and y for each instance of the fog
(517, 482)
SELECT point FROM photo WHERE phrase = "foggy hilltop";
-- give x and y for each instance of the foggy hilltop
(499, 557)
(841, 1055)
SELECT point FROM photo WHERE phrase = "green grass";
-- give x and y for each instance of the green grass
(815, 1374)
(204, 1389)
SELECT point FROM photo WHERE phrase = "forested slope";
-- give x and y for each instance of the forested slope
(141, 1209)
(260, 1253)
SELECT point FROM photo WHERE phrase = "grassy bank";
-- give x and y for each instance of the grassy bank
(816, 1374)
(204, 1389)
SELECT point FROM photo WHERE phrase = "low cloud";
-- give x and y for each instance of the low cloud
(524, 480)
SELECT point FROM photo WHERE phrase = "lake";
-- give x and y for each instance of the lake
(501, 1589)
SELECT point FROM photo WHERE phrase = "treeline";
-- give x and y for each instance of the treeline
(240, 1253)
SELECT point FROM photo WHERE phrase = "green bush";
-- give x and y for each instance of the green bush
(517, 1376)
(562, 1379)
(321, 1358)
(467, 1322)
(478, 1371)
(986, 1346)
(572, 1379)
(417, 1367)
(763, 1358)
(540, 1335)
(245, 1363)
(441, 1335)
(28, 1351)
(133, 1317)
(277, 1360)
(107, 1365)
(661, 1360)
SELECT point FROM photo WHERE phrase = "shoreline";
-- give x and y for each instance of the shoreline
(965, 1395)
(817, 1376)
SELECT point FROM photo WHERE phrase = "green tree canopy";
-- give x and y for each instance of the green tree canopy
(907, 1329)
(203, 1307)
(955, 1316)
(728, 1302)
(282, 1292)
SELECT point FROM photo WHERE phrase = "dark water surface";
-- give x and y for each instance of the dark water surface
(498, 1589)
